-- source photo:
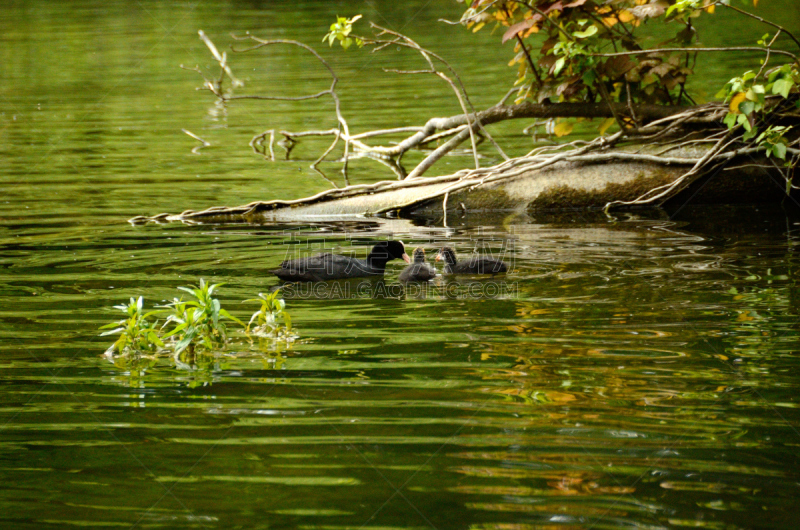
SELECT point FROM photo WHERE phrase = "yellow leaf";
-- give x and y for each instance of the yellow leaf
(608, 122)
(755, 3)
(625, 16)
(534, 29)
(563, 128)
(478, 26)
(710, 9)
(737, 99)
(610, 21)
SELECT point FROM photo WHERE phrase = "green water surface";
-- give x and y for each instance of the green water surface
(635, 371)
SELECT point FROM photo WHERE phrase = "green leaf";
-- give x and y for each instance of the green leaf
(227, 315)
(780, 150)
(177, 329)
(742, 120)
(588, 32)
(153, 338)
(184, 343)
(746, 107)
(730, 120)
(782, 86)
(559, 65)
(121, 343)
(111, 332)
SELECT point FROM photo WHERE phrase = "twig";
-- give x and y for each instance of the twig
(769, 49)
(259, 139)
(461, 94)
(220, 58)
(767, 22)
(196, 149)
(683, 50)
(468, 19)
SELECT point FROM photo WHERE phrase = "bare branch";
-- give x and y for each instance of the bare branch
(723, 49)
(220, 58)
(767, 22)
(196, 149)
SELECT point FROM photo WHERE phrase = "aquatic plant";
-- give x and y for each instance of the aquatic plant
(137, 332)
(198, 322)
(266, 318)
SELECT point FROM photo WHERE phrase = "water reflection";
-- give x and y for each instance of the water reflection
(642, 372)
(441, 288)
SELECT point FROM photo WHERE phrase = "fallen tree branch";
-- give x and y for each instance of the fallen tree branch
(722, 49)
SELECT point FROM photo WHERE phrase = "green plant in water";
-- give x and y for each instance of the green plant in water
(266, 318)
(199, 322)
(137, 333)
(193, 332)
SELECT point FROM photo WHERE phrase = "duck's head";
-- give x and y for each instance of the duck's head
(447, 255)
(387, 251)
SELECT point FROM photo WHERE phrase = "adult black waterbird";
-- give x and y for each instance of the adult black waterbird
(335, 266)
(418, 271)
(474, 265)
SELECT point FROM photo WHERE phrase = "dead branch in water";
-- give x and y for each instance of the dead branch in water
(470, 124)
(726, 148)
(671, 126)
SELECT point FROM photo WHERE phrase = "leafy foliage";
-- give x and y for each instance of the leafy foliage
(190, 325)
(571, 35)
(266, 318)
(199, 321)
(592, 51)
(340, 30)
(748, 97)
(137, 332)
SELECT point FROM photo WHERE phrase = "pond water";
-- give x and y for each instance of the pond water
(640, 370)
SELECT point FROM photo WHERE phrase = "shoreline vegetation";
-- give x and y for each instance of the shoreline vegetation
(590, 64)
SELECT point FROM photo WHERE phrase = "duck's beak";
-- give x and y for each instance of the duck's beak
(438, 257)
(406, 258)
